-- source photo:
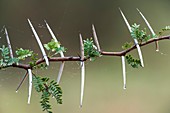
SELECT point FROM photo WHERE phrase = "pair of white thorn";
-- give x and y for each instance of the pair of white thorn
(82, 64)
(136, 43)
(61, 53)
(44, 55)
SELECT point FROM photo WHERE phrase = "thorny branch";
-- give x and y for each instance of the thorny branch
(104, 53)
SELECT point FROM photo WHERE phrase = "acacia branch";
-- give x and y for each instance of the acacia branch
(104, 53)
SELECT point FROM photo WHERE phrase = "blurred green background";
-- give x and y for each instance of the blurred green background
(147, 88)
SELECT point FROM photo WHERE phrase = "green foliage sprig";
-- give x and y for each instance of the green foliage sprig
(47, 89)
(127, 45)
(6, 60)
(138, 34)
(167, 28)
(54, 47)
(90, 50)
(23, 53)
(135, 63)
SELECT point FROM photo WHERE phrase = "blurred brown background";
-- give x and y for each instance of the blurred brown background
(147, 88)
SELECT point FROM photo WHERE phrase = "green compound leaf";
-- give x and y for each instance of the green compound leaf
(56, 91)
(33, 60)
(23, 53)
(45, 102)
(90, 50)
(52, 45)
(6, 60)
(48, 89)
(163, 30)
(127, 45)
(55, 47)
(4, 52)
(138, 34)
(38, 83)
(13, 60)
(135, 63)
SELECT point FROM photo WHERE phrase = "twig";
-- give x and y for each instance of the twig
(135, 40)
(124, 72)
(61, 53)
(30, 85)
(39, 42)
(23, 79)
(82, 70)
(95, 38)
(9, 43)
(150, 28)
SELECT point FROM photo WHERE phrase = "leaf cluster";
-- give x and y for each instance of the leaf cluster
(23, 53)
(167, 28)
(127, 45)
(138, 34)
(54, 47)
(135, 63)
(6, 60)
(90, 50)
(42, 85)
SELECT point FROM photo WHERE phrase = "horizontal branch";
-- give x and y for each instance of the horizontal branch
(104, 53)
(53, 59)
(122, 53)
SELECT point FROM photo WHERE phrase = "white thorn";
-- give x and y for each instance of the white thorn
(53, 36)
(81, 47)
(147, 23)
(124, 72)
(51, 32)
(39, 42)
(139, 52)
(60, 72)
(150, 28)
(82, 83)
(30, 85)
(127, 23)
(61, 53)
(82, 70)
(95, 38)
(9, 43)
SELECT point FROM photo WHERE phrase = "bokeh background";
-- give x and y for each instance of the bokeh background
(147, 88)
